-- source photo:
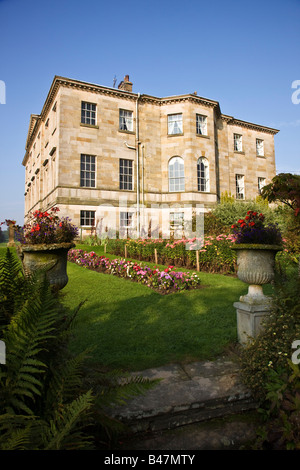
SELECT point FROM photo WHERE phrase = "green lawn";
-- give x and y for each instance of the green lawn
(129, 326)
(132, 327)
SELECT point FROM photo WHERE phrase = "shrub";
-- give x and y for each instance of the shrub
(272, 347)
(228, 212)
(281, 410)
(267, 369)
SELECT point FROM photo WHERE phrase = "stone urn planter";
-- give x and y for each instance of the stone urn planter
(51, 259)
(255, 265)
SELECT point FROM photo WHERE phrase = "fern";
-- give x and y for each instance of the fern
(15, 432)
(26, 340)
(65, 431)
(50, 399)
(12, 287)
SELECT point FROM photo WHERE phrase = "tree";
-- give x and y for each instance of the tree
(285, 188)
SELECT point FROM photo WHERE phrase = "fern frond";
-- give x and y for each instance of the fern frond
(12, 286)
(15, 432)
(65, 430)
(66, 381)
(28, 338)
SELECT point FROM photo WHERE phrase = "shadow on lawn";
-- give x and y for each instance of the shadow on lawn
(150, 330)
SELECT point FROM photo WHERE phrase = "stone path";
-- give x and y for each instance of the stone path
(189, 403)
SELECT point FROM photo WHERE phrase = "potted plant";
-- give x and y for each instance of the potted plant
(256, 245)
(44, 245)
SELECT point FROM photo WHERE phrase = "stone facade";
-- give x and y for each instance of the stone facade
(155, 130)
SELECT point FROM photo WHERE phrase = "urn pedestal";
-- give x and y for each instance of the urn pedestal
(51, 259)
(256, 267)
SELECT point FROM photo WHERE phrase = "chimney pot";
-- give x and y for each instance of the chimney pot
(125, 85)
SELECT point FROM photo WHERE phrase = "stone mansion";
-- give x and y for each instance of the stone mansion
(95, 150)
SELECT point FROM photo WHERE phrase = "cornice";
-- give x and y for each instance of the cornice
(59, 81)
(230, 120)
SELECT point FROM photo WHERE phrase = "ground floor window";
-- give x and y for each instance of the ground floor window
(87, 218)
(176, 221)
(126, 219)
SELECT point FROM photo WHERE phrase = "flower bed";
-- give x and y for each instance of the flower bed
(215, 255)
(165, 282)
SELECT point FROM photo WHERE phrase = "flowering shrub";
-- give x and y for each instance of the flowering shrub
(165, 281)
(46, 228)
(252, 230)
(215, 254)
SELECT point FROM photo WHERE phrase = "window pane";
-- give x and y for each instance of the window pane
(125, 174)
(176, 174)
(201, 124)
(87, 171)
(175, 124)
(88, 113)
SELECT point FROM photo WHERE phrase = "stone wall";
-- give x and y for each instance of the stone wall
(57, 138)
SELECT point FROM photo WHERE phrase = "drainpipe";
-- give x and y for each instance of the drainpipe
(137, 168)
(143, 156)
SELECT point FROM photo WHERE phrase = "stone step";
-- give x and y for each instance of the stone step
(186, 394)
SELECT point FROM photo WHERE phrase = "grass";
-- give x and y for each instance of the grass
(131, 327)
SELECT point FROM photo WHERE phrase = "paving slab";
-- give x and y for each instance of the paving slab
(186, 394)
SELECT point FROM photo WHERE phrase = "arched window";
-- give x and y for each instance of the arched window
(176, 174)
(203, 174)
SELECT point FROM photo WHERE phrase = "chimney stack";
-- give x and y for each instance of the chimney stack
(125, 85)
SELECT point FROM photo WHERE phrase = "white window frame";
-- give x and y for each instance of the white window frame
(176, 219)
(260, 150)
(176, 174)
(203, 175)
(87, 171)
(88, 113)
(261, 182)
(125, 120)
(126, 217)
(240, 186)
(126, 174)
(201, 124)
(175, 124)
(238, 142)
(88, 218)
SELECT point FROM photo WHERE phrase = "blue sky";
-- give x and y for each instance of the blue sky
(243, 54)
